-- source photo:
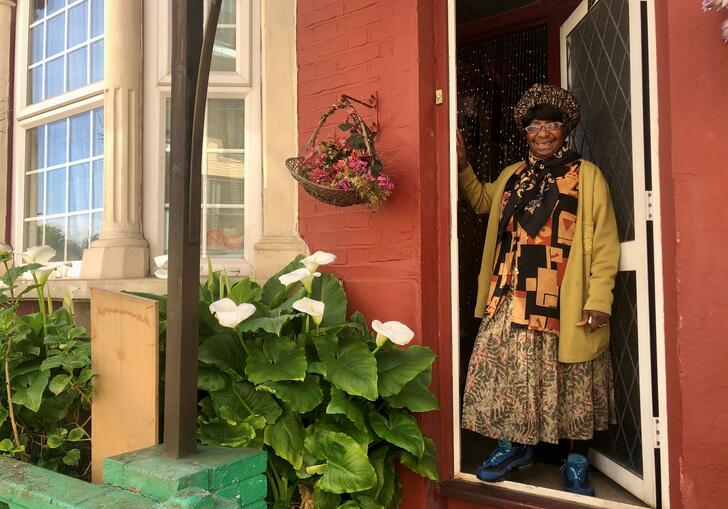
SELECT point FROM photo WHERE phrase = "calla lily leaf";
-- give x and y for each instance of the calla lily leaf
(346, 467)
(383, 492)
(276, 359)
(286, 438)
(242, 399)
(340, 404)
(426, 466)
(350, 365)
(328, 290)
(400, 429)
(416, 395)
(302, 397)
(272, 325)
(224, 352)
(246, 290)
(397, 367)
(210, 379)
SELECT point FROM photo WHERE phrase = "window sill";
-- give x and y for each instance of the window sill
(58, 287)
(495, 496)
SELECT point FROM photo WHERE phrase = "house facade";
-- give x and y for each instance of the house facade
(84, 122)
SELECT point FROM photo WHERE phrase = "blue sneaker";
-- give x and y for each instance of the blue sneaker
(575, 472)
(503, 460)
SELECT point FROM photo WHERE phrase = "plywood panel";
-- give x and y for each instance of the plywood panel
(125, 361)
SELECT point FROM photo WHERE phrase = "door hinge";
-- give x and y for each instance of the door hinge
(649, 205)
(658, 432)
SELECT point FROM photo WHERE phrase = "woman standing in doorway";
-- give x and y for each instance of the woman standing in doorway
(541, 368)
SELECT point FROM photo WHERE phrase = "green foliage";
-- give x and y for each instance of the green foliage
(333, 411)
(46, 419)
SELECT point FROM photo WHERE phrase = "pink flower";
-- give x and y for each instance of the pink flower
(320, 176)
(344, 184)
(340, 165)
(384, 182)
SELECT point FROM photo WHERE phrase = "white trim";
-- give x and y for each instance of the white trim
(658, 271)
(454, 255)
(628, 480)
(551, 493)
(569, 25)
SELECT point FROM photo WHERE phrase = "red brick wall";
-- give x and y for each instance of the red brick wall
(693, 109)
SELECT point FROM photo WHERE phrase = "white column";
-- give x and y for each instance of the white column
(6, 15)
(121, 250)
(280, 241)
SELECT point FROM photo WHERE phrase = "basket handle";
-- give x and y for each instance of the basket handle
(361, 126)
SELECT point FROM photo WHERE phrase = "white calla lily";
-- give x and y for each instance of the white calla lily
(68, 293)
(318, 258)
(161, 262)
(396, 332)
(48, 270)
(38, 254)
(313, 308)
(229, 314)
(302, 275)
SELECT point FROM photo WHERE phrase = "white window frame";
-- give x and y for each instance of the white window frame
(244, 84)
(29, 116)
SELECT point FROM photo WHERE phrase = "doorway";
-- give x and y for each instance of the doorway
(599, 49)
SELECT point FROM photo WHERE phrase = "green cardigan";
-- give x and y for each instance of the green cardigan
(593, 261)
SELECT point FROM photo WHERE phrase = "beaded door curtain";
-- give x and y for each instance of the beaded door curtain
(491, 76)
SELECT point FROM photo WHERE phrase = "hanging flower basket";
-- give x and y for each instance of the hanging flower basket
(345, 170)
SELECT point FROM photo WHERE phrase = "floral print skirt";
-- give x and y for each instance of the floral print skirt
(517, 390)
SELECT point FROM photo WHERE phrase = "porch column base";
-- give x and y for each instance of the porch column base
(111, 260)
(274, 253)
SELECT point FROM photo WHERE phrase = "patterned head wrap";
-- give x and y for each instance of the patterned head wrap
(561, 99)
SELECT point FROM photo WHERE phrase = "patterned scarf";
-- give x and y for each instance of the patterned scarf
(534, 193)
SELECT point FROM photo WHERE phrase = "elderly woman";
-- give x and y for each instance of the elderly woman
(541, 369)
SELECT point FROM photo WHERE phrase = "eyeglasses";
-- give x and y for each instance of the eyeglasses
(551, 126)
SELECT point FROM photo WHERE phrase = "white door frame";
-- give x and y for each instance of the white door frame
(659, 306)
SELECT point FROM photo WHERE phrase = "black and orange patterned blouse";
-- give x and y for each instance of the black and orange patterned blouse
(534, 266)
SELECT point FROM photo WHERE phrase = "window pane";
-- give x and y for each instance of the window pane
(36, 43)
(54, 77)
(223, 52)
(227, 13)
(54, 5)
(38, 10)
(55, 236)
(57, 142)
(33, 233)
(34, 195)
(225, 124)
(80, 136)
(225, 174)
(78, 236)
(224, 232)
(78, 24)
(77, 68)
(56, 34)
(98, 184)
(97, 221)
(79, 187)
(56, 192)
(97, 17)
(97, 61)
(98, 140)
(35, 84)
(35, 148)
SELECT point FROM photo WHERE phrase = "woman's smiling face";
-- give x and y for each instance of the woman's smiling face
(545, 143)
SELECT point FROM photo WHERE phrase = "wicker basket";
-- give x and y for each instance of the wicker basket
(336, 197)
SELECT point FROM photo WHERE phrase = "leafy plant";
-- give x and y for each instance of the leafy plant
(46, 376)
(331, 402)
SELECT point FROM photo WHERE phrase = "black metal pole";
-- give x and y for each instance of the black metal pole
(180, 395)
